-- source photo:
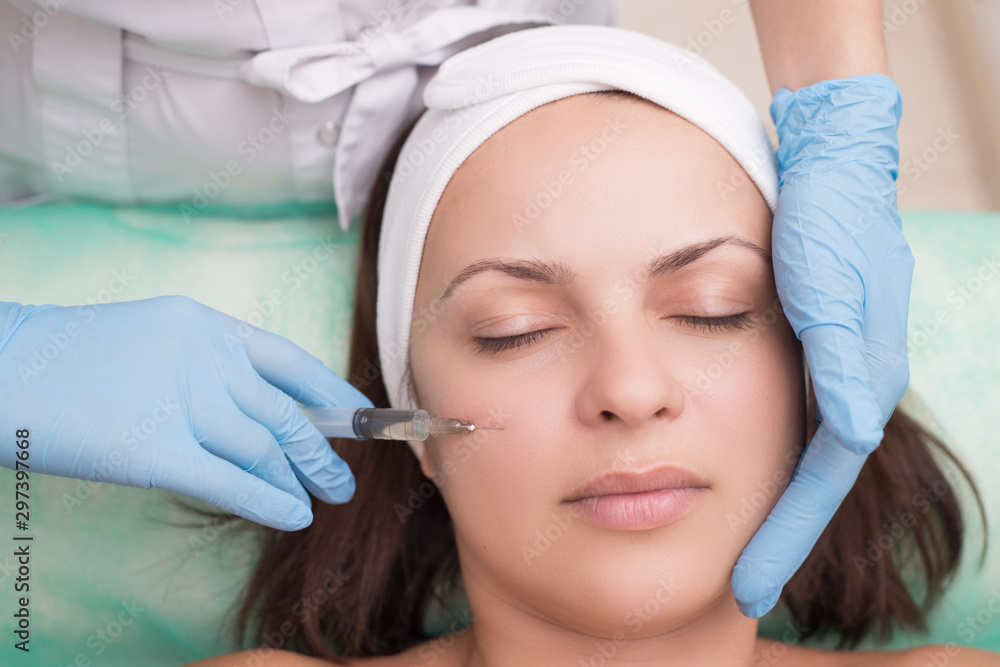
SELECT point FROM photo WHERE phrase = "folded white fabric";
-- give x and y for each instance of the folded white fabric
(477, 92)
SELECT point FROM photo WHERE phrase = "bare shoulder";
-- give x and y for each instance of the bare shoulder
(951, 655)
(271, 658)
(274, 658)
(261, 658)
(932, 655)
(781, 654)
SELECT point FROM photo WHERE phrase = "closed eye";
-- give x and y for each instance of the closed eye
(711, 324)
(496, 345)
(724, 323)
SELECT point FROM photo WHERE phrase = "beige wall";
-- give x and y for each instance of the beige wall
(930, 43)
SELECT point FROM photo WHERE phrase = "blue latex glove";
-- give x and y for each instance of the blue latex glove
(843, 272)
(169, 393)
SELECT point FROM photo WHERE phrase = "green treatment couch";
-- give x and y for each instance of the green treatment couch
(112, 583)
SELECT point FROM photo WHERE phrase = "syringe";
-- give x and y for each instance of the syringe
(382, 423)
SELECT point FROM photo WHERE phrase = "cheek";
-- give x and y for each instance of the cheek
(756, 410)
(487, 477)
(495, 487)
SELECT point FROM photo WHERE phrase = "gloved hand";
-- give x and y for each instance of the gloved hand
(170, 393)
(843, 272)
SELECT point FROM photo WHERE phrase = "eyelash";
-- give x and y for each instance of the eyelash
(711, 324)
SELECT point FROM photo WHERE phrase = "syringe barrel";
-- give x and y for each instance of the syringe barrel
(391, 424)
(370, 423)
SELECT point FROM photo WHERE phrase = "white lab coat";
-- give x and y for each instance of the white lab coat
(205, 102)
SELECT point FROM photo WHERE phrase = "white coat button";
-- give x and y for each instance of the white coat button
(328, 133)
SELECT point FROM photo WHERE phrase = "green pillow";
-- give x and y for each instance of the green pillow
(113, 584)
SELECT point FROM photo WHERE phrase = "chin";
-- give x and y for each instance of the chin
(641, 584)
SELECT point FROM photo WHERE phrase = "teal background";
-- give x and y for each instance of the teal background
(98, 547)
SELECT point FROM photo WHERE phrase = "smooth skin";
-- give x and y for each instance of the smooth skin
(626, 395)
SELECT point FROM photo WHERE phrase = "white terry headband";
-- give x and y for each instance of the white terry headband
(477, 92)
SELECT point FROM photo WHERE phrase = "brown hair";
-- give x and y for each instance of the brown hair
(391, 563)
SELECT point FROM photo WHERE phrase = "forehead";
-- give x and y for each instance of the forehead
(591, 171)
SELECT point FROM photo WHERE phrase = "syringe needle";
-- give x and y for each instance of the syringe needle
(441, 426)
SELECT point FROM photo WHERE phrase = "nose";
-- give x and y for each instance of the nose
(629, 378)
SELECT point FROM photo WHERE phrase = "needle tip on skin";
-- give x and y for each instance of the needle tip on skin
(473, 427)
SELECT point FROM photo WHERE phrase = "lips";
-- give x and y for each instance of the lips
(622, 482)
(639, 500)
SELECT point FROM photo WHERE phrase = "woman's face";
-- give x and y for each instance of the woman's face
(580, 198)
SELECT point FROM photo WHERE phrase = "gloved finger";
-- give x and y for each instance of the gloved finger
(218, 482)
(886, 309)
(228, 433)
(839, 369)
(293, 370)
(824, 475)
(316, 464)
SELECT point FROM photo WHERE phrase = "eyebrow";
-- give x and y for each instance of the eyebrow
(557, 273)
